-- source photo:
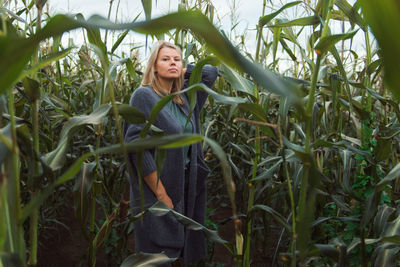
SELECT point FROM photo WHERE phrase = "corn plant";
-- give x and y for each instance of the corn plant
(308, 157)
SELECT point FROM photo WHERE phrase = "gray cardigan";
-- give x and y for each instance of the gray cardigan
(154, 234)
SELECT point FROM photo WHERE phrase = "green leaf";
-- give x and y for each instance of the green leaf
(392, 175)
(45, 61)
(11, 260)
(267, 18)
(130, 68)
(193, 20)
(347, 166)
(160, 209)
(105, 229)
(146, 259)
(305, 21)
(131, 114)
(5, 142)
(147, 8)
(119, 41)
(237, 81)
(327, 42)
(45, 193)
(277, 216)
(15, 54)
(32, 88)
(55, 159)
(381, 219)
(135, 146)
(382, 16)
(351, 13)
(254, 109)
(383, 149)
(187, 141)
(81, 192)
(268, 174)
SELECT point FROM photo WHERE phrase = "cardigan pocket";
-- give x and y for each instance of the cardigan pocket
(166, 231)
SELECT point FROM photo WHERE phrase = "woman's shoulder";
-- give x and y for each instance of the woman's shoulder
(143, 91)
(143, 95)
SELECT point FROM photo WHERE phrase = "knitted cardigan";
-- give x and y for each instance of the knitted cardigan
(154, 234)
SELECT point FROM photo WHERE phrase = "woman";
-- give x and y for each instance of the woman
(182, 181)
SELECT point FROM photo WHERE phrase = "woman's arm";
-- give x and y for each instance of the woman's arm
(139, 100)
(158, 189)
(208, 76)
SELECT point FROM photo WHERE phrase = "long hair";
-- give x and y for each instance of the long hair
(150, 78)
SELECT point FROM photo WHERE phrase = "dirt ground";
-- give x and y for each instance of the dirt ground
(68, 247)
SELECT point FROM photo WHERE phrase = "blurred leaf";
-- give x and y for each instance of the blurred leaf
(32, 88)
(5, 142)
(131, 114)
(194, 20)
(15, 54)
(237, 81)
(255, 110)
(10, 260)
(40, 3)
(379, 15)
(146, 259)
(134, 146)
(147, 8)
(12, 14)
(383, 149)
(265, 19)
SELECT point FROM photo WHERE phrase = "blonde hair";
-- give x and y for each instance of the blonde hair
(150, 78)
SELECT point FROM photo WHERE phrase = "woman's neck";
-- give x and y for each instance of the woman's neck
(166, 85)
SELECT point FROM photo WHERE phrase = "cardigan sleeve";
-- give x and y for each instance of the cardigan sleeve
(208, 76)
(140, 101)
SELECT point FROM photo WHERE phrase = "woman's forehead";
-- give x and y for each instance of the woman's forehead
(168, 51)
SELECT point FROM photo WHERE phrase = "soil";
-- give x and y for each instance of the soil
(68, 247)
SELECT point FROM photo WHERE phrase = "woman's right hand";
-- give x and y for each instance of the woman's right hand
(166, 200)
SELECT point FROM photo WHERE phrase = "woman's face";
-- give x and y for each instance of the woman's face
(168, 64)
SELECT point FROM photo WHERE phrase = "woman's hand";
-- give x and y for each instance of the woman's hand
(166, 200)
(158, 189)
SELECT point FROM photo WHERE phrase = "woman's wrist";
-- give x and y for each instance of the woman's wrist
(160, 193)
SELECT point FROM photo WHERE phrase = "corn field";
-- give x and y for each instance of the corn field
(301, 133)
